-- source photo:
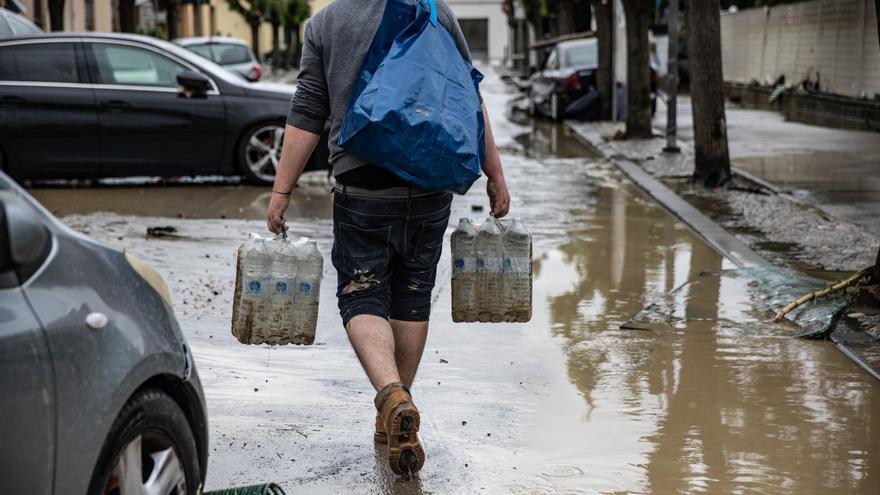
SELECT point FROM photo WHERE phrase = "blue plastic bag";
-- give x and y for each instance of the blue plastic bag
(418, 112)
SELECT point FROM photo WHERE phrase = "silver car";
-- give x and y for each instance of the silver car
(98, 390)
(230, 53)
(12, 24)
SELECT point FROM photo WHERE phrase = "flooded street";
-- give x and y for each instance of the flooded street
(712, 398)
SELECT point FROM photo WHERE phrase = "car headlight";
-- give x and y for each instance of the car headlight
(151, 276)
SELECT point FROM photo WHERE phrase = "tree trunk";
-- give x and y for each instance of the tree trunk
(56, 15)
(171, 20)
(288, 49)
(127, 18)
(712, 163)
(638, 90)
(276, 46)
(604, 74)
(255, 39)
(38, 14)
(564, 17)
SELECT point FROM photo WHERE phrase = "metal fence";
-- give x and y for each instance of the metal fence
(833, 41)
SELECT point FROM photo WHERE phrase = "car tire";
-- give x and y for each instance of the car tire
(153, 429)
(554, 107)
(259, 152)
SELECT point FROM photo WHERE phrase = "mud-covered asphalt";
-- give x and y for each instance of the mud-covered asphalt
(713, 399)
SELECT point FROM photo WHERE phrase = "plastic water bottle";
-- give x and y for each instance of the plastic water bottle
(517, 272)
(464, 271)
(281, 291)
(490, 252)
(307, 293)
(251, 295)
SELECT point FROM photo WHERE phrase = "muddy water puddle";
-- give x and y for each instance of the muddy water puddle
(713, 400)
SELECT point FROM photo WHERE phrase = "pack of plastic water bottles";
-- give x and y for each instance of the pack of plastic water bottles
(278, 283)
(491, 271)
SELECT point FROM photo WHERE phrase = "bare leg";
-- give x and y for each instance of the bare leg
(409, 343)
(373, 342)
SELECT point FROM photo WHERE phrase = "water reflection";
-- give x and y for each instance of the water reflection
(713, 403)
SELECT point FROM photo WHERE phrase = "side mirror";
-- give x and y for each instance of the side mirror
(24, 240)
(194, 84)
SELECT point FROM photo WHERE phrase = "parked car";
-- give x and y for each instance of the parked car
(565, 86)
(12, 24)
(98, 390)
(231, 53)
(120, 105)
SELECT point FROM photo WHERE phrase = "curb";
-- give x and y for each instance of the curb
(705, 228)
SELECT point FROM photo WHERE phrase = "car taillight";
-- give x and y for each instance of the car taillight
(653, 76)
(255, 73)
(573, 83)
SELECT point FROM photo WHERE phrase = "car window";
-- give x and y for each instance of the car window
(39, 62)
(20, 27)
(203, 50)
(229, 53)
(582, 55)
(5, 30)
(134, 66)
(552, 60)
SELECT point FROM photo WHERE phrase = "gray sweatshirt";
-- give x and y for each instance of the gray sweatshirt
(337, 40)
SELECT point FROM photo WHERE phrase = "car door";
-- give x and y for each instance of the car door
(48, 120)
(147, 128)
(27, 394)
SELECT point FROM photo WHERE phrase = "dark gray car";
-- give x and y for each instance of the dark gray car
(98, 390)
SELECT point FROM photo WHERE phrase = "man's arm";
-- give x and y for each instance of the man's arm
(496, 188)
(309, 109)
(295, 152)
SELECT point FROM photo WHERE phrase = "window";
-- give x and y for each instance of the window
(134, 66)
(39, 62)
(583, 56)
(552, 60)
(21, 27)
(223, 53)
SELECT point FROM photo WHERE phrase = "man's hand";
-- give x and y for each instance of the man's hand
(499, 198)
(277, 208)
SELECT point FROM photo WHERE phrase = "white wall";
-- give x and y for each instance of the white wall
(486, 9)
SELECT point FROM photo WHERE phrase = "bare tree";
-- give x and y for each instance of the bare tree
(604, 40)
(56, 15)
(712, 162)
(128, 16)
(638, 77)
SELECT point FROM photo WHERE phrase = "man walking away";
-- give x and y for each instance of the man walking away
(387, 235)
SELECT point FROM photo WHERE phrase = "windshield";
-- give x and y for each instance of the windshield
(582, 55)
(223, 53)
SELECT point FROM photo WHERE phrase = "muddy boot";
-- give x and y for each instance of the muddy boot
(401, 420)
(380, 436)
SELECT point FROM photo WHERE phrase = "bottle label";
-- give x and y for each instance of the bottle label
(281, 286)
(517, 264)
(489, 264)
(306, 287)
(254, 286)
(464, 264)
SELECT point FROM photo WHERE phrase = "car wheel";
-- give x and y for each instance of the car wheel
(260, 152)
(554, 107)
(150, 449)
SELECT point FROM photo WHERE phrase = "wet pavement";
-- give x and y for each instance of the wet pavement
(711, 399)
(837, 170)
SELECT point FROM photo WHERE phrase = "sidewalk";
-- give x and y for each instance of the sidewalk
(839, 234)
(836, 170)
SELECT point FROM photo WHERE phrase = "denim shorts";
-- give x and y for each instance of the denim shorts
(385, 251)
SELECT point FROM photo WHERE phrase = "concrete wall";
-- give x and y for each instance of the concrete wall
(835, 38)
(491, 11)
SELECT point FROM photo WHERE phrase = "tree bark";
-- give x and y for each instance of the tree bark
(276, 46)
(638, 90)
(604, 73)
(171, 20)
(56, 15)
(127, 17)
(564, 17)
(712, 162)
(255, 39)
